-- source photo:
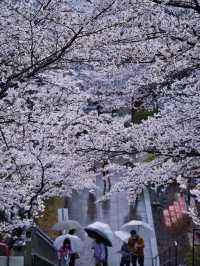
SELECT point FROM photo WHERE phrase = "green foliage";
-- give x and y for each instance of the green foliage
(138, 116)
(50, 216)
(150, 157)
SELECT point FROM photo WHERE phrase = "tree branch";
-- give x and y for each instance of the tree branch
(38, 192)
(180, 4)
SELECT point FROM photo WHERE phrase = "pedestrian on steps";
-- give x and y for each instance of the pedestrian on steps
(136, 248)
(106, 256)
(64, 254)
(100, 253)
(74, 255)
(125, 258)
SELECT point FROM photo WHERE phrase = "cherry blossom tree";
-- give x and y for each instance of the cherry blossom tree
(49, 144)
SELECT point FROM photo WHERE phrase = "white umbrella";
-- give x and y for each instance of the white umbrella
(139, 227)
(100, 230)
(69, 225)
(76, 243)
(123, 235)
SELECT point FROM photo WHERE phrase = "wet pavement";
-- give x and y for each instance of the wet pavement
(115, 212)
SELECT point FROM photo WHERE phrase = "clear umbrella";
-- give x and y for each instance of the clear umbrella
(101, 231)
(123, 235)
(76, 242)
(139, 227)
(70, 225)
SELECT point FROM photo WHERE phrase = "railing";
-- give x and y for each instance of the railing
(42, 250)
(155, 261)
(36, 251)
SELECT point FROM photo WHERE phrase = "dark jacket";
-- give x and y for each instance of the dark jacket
(106, 257)
(125, 252)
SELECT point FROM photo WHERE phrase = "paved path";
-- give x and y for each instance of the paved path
(115, 212)
(142, 215)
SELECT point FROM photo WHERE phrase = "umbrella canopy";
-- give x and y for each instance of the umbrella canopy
(123, 235)
(76, 243)
(70, 225)
(102, 231)
(139, 226)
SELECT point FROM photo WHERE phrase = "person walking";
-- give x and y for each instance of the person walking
(125, 258)
(136, 248)
(105, 263)
(74, 255)
(64, 254)
(100, 255)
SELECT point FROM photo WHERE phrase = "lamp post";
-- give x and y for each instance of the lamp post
(176, 253)
(105, 173)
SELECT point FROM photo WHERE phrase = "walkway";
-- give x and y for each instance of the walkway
(144, 214)
(115, 212)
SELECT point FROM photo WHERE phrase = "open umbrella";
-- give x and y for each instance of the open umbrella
(101, 231)
(123, 235)
(70, 225)
(76, 242)
(139, 226)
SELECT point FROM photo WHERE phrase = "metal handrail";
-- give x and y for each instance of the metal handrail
(155, 260)
(44, 259)
(49, 256)
(39, 232)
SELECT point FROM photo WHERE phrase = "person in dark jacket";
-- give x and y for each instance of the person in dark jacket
(106, 256)
(125, 258)
(74, 255)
